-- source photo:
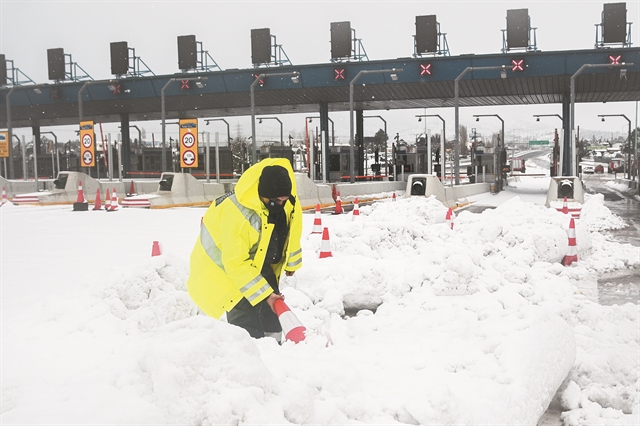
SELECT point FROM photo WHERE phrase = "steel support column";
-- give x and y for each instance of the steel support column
(126, 144)
(566, 142)
(360, 141)
(323, 108)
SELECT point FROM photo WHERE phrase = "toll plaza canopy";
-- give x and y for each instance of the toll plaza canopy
(424, 82)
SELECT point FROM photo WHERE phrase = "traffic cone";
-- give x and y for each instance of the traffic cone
(80, 205)
(338, 205)
(132, 190)
(114, 200)
(565, 208)
(80, 194)
(4, 197)
(449, 218)
(356, 209)
(107, 201)
(292, 328)
(394, 197)
(572, 255)
(317, 222)
(98, 204)
(325, 248)
(155, 249)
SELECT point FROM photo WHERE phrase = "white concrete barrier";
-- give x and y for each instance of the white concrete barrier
(461, 192)
(423, 185)
(63, 191)
(565, 186)
(178, 190)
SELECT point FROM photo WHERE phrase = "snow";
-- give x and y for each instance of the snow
(409, 322)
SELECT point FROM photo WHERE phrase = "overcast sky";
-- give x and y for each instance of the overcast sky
(86, 28)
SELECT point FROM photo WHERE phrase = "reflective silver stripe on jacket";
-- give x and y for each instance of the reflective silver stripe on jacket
(292, 263)
(257, 293)
(253, 219)
(210, 246)
(250, 215)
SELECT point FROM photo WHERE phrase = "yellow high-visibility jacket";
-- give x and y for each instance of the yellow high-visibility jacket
(234, 236)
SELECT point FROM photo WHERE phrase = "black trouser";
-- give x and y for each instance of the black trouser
(255, 319)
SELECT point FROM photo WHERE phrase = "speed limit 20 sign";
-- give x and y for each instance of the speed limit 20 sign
(87, 144)
(188, 143)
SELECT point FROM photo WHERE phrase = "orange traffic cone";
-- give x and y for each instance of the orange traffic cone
(107, 201)
(565, 208)
(317, 222)
(338, 205)
(292, 328)
(4, 197)
(98, 204)
(449, 218)
(132, 190)
(325, 248)
(114, 200)
(394, 197)
(155, 249)
(80, 205)
(356, 209)
(80, 194)
(572, 255)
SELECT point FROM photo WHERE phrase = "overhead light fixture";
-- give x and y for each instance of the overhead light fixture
(419, 119)
(260, 121)
(37, 90)
(537, 118)
(199, 84)
(602, 119)
(310, 119)
(394, 76)
(295, 78)
(477, 118)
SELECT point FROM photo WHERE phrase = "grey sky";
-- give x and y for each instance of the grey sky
(86, 28)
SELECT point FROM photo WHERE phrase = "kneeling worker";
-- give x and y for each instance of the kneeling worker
(248, 238)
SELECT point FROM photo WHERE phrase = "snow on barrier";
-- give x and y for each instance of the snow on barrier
(65, 190)
(567, 188)
(426, 186)
(178, 190)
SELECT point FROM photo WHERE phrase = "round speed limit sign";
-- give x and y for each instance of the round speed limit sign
(188, 140)
(87, 141)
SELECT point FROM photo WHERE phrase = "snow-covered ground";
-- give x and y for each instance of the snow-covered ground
(476, 325)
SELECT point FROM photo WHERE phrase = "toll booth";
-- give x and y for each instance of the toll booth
(145, 162)
(339, 161)
(226, 163)
(275, 151)
(482, 163)
(406, 158)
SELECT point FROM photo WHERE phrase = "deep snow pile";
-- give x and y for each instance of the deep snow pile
(475, 325)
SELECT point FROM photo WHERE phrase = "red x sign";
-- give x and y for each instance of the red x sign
(615, 60)
(117, 89)
(184, 84)
(425, 69)
(338, 74)
(517, 65)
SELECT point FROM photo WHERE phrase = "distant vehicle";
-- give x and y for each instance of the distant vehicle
(587, 168)
(599, 168)
(616, 165)
(517, 165)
